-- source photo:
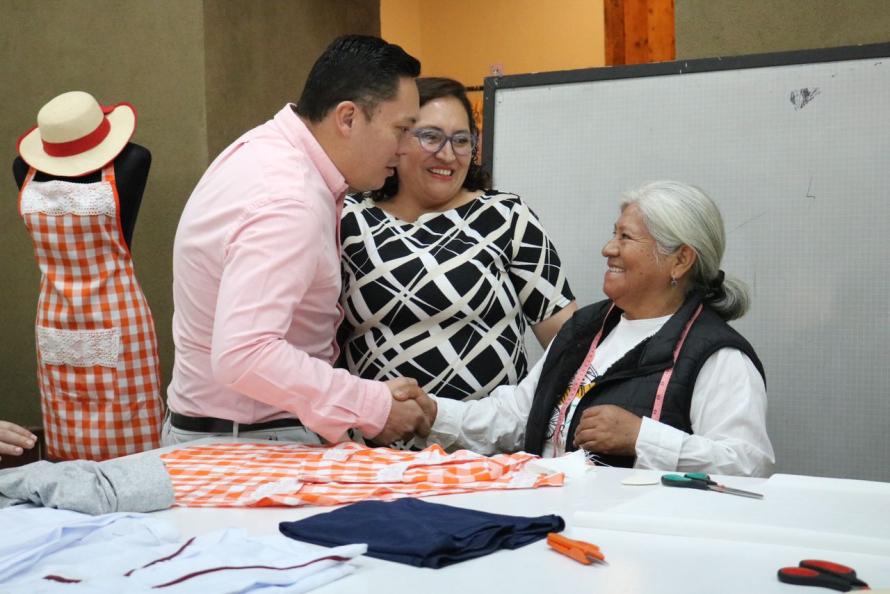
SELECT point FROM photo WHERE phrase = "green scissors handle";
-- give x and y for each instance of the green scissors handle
(675, 480)
(703, 482)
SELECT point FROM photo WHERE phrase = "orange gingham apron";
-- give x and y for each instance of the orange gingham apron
(97, 354)
(262, 475)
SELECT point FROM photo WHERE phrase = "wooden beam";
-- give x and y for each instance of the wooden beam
(662, 44)
(614, 25)
(636, 31)
(639, 31)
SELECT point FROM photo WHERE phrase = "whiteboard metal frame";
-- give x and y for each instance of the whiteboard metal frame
(538, 79)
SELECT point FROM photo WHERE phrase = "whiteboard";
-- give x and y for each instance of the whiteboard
(795, 150)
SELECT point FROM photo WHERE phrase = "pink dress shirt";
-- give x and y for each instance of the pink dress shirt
(256, 285)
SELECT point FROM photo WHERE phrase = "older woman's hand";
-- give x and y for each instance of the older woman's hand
(608, 429)
(14, 439)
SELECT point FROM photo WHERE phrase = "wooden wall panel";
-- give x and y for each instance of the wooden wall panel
(639, 31)
(662, 45)
(614, 28)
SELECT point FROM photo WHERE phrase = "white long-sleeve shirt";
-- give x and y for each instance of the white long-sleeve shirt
(728, 414)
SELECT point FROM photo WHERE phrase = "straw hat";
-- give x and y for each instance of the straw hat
(75, 135)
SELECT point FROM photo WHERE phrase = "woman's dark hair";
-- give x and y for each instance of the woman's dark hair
(429, 89)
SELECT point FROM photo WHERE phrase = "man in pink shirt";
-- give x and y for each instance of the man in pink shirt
(256, 263)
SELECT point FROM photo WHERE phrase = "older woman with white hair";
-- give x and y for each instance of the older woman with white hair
(652, 377)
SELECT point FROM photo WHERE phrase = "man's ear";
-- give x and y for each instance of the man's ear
(686, 257)
(345, 115)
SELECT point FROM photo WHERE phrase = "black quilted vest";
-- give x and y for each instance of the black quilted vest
(632, 381)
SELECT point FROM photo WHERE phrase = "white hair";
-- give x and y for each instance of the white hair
(678, 214)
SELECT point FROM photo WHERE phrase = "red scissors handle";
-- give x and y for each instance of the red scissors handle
(835, 569)
(825, 574)
(801, 576)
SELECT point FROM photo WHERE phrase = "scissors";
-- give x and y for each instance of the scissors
(580, 551)
(699, 480)
(825, 574)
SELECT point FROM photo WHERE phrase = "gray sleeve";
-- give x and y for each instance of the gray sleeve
(133, 484)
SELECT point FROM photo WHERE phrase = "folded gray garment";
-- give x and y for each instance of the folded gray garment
(137, 484)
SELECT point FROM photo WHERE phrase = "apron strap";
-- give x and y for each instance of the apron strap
(108, 173)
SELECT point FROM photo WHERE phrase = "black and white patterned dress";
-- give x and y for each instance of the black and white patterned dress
(446, 299)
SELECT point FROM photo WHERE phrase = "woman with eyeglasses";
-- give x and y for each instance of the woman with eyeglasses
(442, 275)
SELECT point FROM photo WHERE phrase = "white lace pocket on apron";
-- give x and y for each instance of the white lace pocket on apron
(79, 348)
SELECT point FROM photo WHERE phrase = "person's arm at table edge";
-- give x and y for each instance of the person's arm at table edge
(14, 440)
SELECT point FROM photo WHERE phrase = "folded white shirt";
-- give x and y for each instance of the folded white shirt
(30, 535)
(126, 553)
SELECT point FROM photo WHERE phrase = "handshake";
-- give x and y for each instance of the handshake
(412, 412)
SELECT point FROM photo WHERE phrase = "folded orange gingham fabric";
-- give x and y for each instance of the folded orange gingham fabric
(260, 475)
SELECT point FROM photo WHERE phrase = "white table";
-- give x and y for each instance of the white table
(638, 562)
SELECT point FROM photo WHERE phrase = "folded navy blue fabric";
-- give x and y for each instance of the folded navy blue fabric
(419, 533)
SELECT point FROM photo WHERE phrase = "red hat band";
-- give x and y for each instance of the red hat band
(78, 145)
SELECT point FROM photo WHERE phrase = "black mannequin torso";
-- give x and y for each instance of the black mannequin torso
(130, 172)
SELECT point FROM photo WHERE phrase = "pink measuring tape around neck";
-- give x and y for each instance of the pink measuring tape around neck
(666, 377)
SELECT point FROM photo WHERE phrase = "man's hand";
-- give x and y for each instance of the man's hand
(406, 417)
(416, 393)
(14, 439)
(608, 429)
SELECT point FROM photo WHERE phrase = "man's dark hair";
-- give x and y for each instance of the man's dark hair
(358, 68)
(436, 88)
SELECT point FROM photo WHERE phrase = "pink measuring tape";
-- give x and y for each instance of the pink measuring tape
(588, 361)
(579, 377)
(663, 384)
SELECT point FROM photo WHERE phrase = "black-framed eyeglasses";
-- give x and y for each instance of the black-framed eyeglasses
(432, 141)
